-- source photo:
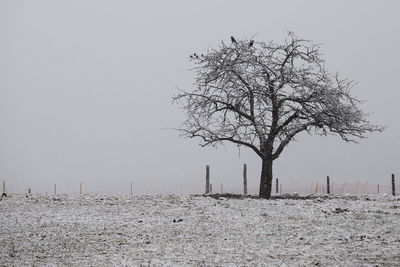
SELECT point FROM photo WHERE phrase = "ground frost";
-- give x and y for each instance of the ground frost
(195, 230)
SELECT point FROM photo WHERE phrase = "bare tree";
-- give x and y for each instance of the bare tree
(261, 95)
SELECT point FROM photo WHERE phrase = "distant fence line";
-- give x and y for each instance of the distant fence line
(284, 187)
(280, 186)
(335, 188)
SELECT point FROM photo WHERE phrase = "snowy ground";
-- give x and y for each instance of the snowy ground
(196, 230)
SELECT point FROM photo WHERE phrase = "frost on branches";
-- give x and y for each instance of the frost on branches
(261, 95)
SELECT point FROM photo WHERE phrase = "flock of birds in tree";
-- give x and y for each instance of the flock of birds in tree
(196, 56)
(251, 43)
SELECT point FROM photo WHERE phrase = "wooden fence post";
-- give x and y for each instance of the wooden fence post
(222, 191)
(378, 189)
(277, 185)
(131, 189)
(207, 179)
(80, 188)
(4, 186)
(328, 188)
(316, 188)
(393, 186)
(344, 185)
(29, 190)
(245, 179)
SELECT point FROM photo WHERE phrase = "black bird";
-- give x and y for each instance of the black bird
(233, 40)
(251, 43)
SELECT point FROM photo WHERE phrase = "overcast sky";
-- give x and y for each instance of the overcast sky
(86, 87)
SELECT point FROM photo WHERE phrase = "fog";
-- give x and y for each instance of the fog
(86, 87)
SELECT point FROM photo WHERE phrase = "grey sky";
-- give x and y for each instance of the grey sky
(86, 86)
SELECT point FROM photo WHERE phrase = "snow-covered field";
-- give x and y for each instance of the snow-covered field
(83, 230)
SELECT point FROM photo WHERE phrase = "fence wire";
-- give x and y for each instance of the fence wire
(163, 188)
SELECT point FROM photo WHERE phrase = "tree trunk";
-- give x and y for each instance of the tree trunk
(266, 178)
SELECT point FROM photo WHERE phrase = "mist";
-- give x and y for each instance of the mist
(86, 88)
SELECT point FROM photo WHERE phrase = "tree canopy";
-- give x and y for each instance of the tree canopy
(261, 95)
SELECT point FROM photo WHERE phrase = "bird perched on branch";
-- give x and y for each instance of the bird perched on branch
(251, 43)
(233, 40)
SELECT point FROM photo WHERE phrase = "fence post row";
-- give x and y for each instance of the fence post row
(245, 179)
(278, 188)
